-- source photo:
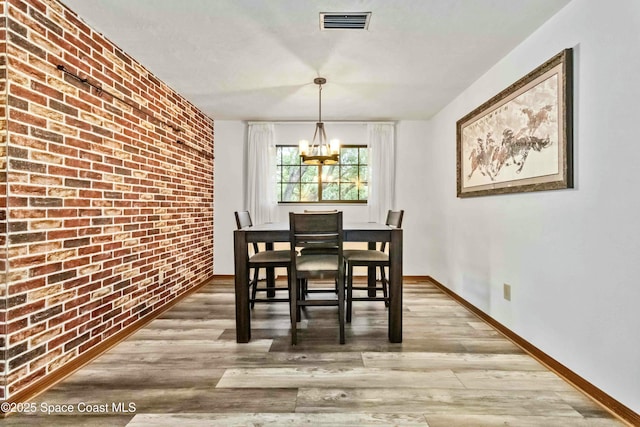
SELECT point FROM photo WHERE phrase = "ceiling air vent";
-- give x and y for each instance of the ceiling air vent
(344, 20)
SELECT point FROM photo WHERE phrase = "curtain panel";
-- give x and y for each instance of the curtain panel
(382, 173)
(261, 198)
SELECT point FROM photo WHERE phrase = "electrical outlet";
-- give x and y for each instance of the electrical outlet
(507, 292)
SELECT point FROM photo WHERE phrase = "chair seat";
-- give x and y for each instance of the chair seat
(271, 256)
(363, 255)
(317, 262)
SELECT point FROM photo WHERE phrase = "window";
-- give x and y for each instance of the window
(345, 182)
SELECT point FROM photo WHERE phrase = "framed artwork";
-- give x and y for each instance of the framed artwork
(521, 139)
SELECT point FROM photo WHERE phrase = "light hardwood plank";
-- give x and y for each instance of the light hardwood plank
(512, 380)
(40, 420)
(433, 400)
(190, 346)
(519, 421)
(268, 419)
(454, 361)
(328, 377)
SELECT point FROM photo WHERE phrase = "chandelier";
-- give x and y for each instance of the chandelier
(321, 152)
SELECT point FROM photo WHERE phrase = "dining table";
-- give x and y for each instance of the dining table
(270, 233)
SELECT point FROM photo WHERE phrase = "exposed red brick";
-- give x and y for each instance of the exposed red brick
(27, 261)
(62, 234)
(91, 181)
(58, 170)
(64, 317)
(25, 310)
(45, 269)
(26, 286)
(28, 94)
(61, 339)
(76, 263)
(77, 222)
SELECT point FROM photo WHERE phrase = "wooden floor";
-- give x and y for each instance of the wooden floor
(185, 369)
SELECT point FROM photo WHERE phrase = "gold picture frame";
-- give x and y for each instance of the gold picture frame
(521, 139)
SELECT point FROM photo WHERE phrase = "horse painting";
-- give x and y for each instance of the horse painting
(489, 157)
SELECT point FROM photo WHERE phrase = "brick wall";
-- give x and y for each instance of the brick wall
(3, 197)
(109, 217)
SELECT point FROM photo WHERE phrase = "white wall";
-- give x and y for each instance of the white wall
(228, 197)
(572, 257)
(413, 186)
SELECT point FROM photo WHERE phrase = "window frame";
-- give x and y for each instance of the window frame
(279, 183)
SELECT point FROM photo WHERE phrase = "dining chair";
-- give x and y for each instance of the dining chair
(263, 259)
(328, 249)
(370, 258)
(313, 230)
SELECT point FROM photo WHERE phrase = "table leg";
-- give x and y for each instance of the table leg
(271, 275)
(371, 274)
(243, 318)
(395, 286)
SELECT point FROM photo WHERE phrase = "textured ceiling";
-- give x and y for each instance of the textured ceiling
(256, 59)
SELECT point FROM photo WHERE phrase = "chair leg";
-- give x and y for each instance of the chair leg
(349, 291)
(341, 307)
(385, 285)
(293, 307)
(289, 292)
(255, 287)
(300, 290)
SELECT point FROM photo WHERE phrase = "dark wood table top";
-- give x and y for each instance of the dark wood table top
(353, 232)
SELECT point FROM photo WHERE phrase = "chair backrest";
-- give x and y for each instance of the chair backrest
(308, 230)
(312, 229)
(243, 219)
(320, 249)
(394, 219)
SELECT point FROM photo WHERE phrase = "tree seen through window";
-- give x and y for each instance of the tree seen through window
(342, 182)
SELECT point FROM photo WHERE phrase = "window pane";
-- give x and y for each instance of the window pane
(290, 192)
(279, 155)
(291, 173)
(330, 173)
(364, 173)
(363, 191)
(330, 191)
(349, 156)
(310, 174)
(364, 156)
(290, 156)
(348, 192)
(309, 193)
(349, 174)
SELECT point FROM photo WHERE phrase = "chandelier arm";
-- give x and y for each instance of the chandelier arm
(313, 141)
(323, 137)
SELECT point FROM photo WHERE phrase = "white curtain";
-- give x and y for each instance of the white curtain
(382, 174)
(261, 185)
